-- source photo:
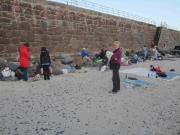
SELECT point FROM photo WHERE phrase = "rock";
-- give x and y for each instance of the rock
(1, 76)
(67, 60)
(13, 65)
(57, 67)
(64, 55)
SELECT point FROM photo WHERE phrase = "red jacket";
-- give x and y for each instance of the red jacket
(24, 56)
(116, 57)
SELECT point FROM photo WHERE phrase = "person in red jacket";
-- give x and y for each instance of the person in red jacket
(115, 66)
(24, 60)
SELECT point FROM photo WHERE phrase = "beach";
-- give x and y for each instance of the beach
(80, 104)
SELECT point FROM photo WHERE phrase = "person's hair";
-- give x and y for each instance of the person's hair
(26, 44)
(102, 50)
(43, 49)
(117, 43)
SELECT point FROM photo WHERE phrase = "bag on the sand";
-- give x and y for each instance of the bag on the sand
(6, 72)
(103, 68)
(18, 73)
(42, 71)
(77, 67)
(50, 70)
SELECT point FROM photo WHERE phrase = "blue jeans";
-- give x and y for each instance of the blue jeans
(25, 73)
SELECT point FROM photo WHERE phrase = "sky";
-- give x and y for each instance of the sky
(157, 10)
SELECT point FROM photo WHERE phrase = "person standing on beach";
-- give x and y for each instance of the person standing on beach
(24, 60)
(45, 63)
(115, 66)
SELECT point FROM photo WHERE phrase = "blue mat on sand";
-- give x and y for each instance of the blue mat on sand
(138, 83)
(172, 75)
(144, 73)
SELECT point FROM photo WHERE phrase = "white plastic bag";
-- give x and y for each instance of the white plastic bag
(103, 68)
(65, 71)
(6, 72)
(42, 71)
(108, 55)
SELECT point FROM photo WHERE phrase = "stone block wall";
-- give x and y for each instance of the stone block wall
(169, 39)
(63, 28)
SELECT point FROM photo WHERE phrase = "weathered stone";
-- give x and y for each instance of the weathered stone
(4, 40)
(15, 40)
(12, 49)
(5, 20)
(38, 7)
(6, 7)
(65, 28)
(24, 26)
(25, 5)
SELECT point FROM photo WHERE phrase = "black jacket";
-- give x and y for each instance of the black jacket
(45, 58)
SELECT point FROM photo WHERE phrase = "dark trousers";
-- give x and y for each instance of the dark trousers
(25, 73)
(46, 72)
(116, 79)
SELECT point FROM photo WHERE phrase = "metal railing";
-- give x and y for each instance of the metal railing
(173, 27)
(104, 9)
(111, 11)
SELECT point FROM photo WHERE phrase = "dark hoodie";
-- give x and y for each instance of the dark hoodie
(44, 57)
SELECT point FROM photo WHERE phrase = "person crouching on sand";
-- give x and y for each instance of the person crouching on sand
(45, 63)
(115, 66)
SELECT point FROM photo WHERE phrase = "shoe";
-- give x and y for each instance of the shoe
(113, 92)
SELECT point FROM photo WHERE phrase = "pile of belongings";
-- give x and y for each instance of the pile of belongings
(136, 59)
(8, 70)
(69, 69)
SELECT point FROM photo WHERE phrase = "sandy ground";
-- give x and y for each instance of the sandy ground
(79, 104)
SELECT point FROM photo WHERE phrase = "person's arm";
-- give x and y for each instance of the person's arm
(49, 59)
(40, 59)
(87, 54)
(81, 53)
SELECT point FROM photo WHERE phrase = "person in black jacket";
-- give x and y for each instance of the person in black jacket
(45, 63)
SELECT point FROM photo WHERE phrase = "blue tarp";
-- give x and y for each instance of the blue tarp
(138, 83)
(147, 73)
(171, 75)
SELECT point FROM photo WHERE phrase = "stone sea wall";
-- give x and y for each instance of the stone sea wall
(64, 28)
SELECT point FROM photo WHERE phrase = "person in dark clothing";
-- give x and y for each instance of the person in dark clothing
(115, 66)
(45, 63)
(102, 55)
